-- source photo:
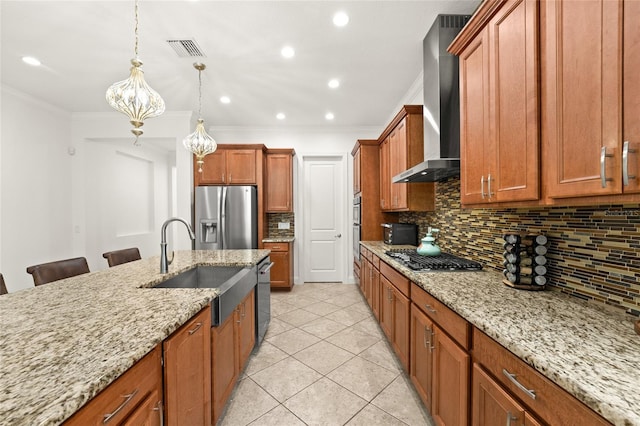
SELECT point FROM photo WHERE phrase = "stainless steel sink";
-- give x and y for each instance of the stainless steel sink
(233, 283)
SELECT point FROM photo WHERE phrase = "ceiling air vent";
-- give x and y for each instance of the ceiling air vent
(186, 48)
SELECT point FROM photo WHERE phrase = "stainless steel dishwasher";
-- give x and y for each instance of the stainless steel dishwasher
(263, 299)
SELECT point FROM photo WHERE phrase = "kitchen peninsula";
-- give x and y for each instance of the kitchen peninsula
(64, 342)
(589, 351)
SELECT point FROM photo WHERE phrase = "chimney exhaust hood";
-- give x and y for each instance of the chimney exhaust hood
(441, 110)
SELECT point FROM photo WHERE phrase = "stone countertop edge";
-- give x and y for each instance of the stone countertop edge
(278, 240)
(590, 351)
(64, 342)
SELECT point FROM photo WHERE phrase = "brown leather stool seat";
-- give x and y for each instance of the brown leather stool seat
(3, 288)
(118, 257)
(54, 271)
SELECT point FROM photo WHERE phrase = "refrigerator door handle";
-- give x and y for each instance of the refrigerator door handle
(223, 216)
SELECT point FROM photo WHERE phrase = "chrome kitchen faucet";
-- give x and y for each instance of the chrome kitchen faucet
(164, 260)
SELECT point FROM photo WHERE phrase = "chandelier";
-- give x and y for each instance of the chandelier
(199, 142)
(133, 96)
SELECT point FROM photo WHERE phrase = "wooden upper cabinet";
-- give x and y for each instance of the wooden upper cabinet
(499, 94)
(228, 167)
(582, 93)
(356, 171)
(402, 147)
(279, 176)
(187, 372)
(631, 98)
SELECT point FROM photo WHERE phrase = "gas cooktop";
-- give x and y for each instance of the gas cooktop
(443, 262)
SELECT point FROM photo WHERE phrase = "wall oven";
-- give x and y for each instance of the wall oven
(357, 203)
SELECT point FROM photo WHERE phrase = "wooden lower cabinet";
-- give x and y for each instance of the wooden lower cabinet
(231, 345)
(187, 372)
(386, 307)
(492, 405)
(421, 355)
(282, 270)
(375, 291)
(394, 319)
(134, 398)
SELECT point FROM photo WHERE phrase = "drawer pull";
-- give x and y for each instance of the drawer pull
(198, 325)
(160, 411)
(430, 309)
(128, 398)
(512, 378)
(510, 418)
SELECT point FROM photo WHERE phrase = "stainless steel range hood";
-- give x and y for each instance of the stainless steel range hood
(441, 111)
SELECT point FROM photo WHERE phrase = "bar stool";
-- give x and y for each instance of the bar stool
(54, 271)
(3, 288)
(118, 257)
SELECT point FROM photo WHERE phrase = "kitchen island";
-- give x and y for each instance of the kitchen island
(63, 342)
(590, 351)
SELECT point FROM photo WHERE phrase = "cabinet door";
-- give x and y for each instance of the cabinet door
(421, 368)
(280, 271)
(224, 371)
(246, 328)
(474, 123)
(491, 404)
(513, 169)
(385, 175)
(149, 412)
(451, 366)
(356, 171)
(399, 164)
(213, 171)
(375, 293)
(386, 307)
(241, 166)
(400, 342)
(187, 372)
(279, 183)
(631, 98)
(583, 97)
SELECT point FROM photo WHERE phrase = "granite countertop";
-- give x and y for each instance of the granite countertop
(590, 351)
(63, 342)
(278, 240)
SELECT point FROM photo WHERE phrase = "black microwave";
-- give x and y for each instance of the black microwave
(400, 233)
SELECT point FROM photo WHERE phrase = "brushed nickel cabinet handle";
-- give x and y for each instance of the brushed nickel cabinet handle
(482, 187)
(603, 171)
(489, 185)
(128, 398)
(510, 418)
(424, 337)
(160, 411)
(198, 325)
(512, 377)
(431, 345)
(625, 163)
(430, 308)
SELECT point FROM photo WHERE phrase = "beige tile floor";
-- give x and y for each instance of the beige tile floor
(324, 361)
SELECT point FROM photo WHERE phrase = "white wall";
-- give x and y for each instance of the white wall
(35, 190)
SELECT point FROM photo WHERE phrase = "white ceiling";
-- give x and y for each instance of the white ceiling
(84, 46)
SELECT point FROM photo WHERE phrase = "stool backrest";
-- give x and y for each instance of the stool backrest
(3, 288)
(118, 257)
(54, 271)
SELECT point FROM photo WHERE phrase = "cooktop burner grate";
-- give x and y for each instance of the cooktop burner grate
(443, 262)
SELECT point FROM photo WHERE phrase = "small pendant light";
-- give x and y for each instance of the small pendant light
(133, 96)
(199, 142)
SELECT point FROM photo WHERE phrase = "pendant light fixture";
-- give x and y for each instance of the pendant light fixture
(199, 142)
(133, 96)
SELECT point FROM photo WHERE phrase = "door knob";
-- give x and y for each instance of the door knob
(339, 236)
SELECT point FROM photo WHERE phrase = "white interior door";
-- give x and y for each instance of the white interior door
(323, 218)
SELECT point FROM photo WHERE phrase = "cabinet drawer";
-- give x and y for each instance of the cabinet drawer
(395, 277)
(551, 404)
(453, 324)
(121, 398)
(376, 261)
(276, 246)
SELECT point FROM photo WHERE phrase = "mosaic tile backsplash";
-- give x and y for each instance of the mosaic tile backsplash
(594, 252)
(272, 223)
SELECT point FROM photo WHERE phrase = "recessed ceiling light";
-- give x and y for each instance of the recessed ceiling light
(31, 61)
(281, 116)
(329, 116)
(288, 52)
(334, 83)
(225, 100)
(340, 19)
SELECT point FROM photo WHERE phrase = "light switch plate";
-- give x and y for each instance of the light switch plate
(283, 225)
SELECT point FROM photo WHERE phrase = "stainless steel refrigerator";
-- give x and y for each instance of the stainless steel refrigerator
(226, 217)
